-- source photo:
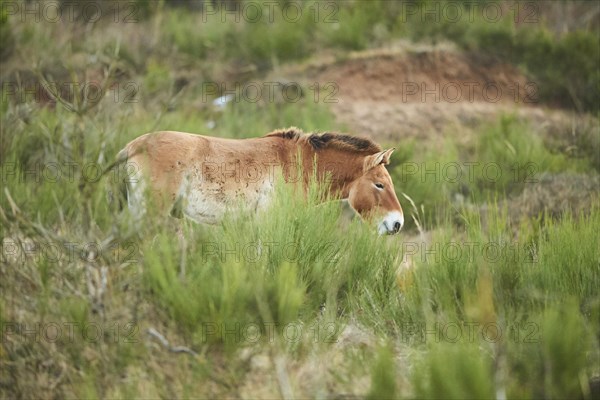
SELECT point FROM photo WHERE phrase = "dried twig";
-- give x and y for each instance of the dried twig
(175, 349)
(415, 215)
(283, 378)
(96, 282)
(13, 206)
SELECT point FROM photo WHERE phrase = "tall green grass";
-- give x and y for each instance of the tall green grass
(448, 298)
(276, 267)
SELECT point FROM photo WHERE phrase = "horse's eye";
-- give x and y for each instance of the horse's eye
(379, 186)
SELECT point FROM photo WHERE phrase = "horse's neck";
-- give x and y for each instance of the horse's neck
(337, 169)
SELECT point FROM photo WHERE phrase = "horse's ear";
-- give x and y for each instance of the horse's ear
(386, 156)
(383, 157)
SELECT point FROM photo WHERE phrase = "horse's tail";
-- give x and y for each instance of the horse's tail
(122, 157)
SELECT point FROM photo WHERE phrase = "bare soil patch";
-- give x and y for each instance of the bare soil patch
(425, 93)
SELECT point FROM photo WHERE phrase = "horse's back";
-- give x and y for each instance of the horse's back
(166, 146)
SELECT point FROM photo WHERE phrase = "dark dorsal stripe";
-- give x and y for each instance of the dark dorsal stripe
(289, 133)
(329, 140)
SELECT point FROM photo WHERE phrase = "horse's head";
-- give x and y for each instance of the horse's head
(372, 195)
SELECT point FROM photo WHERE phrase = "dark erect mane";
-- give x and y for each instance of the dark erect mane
(330, 140)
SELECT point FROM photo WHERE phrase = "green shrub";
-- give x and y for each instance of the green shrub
(565, 259)
(287, 37)
(565, 343)
(157, 79)
(454, 371)
(383, 379)
(196, 35)
(514, 157)
(7, 40)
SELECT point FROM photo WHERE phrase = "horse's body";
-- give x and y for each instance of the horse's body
(202, 176)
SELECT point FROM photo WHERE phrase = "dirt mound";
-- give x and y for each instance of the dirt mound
(421, 93)
(428, 77)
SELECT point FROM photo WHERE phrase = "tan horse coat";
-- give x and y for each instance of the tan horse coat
(202, 177)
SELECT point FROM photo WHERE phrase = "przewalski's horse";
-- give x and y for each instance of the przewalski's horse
(201, 176)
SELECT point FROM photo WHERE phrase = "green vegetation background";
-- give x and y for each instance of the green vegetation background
(540, 290)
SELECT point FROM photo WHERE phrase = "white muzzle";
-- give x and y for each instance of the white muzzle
(391, 223)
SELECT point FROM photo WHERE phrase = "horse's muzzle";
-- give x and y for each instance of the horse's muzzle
(391, 223)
